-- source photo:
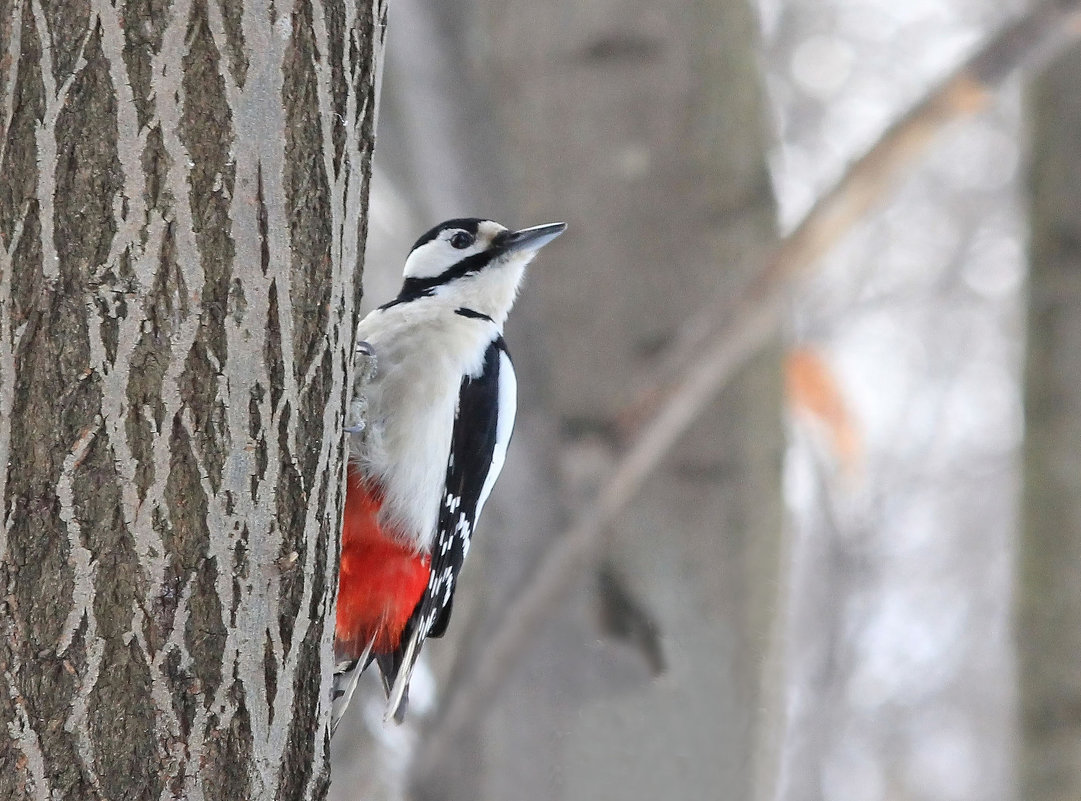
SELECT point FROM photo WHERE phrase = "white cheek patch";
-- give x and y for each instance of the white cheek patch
(434, 258)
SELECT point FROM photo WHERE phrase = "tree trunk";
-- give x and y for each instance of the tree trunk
(1048, 596)
(182, 220)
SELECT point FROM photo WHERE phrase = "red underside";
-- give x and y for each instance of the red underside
(380, 580)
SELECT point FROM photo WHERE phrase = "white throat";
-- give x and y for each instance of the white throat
(492, 291)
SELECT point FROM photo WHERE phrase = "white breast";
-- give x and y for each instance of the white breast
(422, 349)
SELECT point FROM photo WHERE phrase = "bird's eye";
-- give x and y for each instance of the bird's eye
(461, 240)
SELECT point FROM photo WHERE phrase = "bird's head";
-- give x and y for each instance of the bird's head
(475, 262)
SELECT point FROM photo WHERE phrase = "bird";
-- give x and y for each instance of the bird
(440, 409)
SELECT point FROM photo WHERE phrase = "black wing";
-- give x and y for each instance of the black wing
(482, 429)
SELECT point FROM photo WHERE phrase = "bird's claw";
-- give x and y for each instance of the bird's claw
(354, 416)
(365, 368)
(365, 363)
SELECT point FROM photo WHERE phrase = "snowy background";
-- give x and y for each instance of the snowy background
(892, 663)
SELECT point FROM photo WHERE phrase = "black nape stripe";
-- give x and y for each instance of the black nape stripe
(473, 314)
(405, 296)
(413, 288)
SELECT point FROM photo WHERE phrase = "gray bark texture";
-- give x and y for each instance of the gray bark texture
(183, 210)
(1048, 595)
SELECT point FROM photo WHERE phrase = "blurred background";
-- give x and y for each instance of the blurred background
(856, 577)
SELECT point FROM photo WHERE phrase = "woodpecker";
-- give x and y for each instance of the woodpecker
(440, 409)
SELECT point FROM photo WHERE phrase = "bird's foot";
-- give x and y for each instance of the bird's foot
(364, 368)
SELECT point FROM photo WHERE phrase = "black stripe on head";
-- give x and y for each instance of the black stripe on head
(405, 297)
(413, 288)
(470, 224)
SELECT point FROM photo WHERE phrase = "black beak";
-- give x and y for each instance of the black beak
(531, 238)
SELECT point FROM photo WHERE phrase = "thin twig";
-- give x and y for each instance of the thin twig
(708, 354)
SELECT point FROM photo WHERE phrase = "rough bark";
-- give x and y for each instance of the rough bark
(1048, 595)
(182, 219)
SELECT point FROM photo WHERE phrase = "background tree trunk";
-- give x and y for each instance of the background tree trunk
(182, 219)
(1048, 596)
(642, 126)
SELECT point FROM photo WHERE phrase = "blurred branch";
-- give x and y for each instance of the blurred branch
(1029, 41)
(714, 345)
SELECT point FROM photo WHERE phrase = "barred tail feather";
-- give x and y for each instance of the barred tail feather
(346, 676)
(397, 668)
